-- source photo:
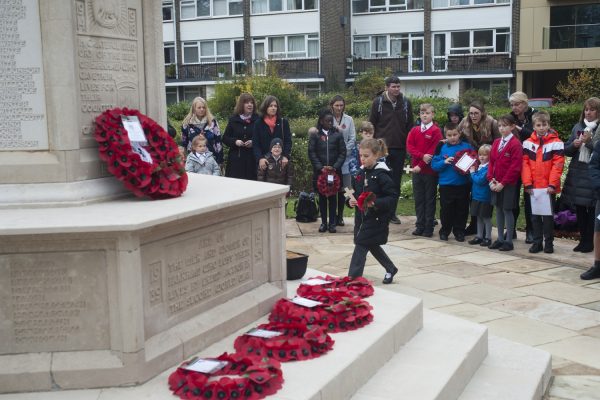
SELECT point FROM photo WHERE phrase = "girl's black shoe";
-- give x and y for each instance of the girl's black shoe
(475, 240)
(507, 247)
(323, 228)
(496, 245)
(485, 242)
(340, 221)
(332, 228)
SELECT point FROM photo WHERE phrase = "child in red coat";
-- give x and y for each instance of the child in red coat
(420, 144)
(506, 159)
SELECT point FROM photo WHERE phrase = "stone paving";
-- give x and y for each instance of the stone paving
(534, 299)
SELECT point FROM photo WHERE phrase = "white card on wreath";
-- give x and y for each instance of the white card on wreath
(465, 162)
(262, 333)
(205, 366)
(316, 282)
(303, 301)
(132, 125)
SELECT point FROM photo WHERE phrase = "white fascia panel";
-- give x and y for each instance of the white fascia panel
(284, 24)
(213, 28)
(168, 32)
(396, 22)
(457, 19)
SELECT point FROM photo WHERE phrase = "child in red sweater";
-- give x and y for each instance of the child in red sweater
(420, 144)
(506, 160)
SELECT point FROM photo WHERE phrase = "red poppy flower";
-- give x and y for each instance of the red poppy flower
(365, 200)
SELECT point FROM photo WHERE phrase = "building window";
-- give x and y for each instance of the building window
(191, 92)
(373, 6)
(309, 89)
(293, 46)
(480, 41)
(380, 46)
(465, 3)
(267, 6)
(207, 51)
(210, 8)
(171, 95)
(573, 26)
(169, 49)
(167, 10)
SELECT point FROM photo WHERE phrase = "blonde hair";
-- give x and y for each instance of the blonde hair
(377, 146)
(366, 126)
(519, 97)
(191, 118)
(427, 106)
(198, 139)
(541, 116)
(484, 149)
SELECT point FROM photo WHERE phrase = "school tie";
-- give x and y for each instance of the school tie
(502, 144)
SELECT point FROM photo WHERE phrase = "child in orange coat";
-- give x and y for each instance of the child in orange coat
(543, 162)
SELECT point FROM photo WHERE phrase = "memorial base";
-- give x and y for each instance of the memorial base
(113, 293)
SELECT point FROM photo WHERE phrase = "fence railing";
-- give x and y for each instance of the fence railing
(571, 36)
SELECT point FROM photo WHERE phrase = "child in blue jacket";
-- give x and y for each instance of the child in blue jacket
(454, 186)
(481, 196)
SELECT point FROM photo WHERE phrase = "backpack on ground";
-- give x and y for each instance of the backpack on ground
(306, 207)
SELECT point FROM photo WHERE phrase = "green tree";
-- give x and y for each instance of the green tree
(371, 82)
(580, 85)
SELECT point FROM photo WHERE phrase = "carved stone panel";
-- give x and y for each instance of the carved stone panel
(183, 274)
(53, 302)
(22, 98)
(109, 57)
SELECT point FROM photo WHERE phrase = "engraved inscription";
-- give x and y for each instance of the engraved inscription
(258, 245)
(108, 59)
(155, 287)
(218, 262)
(22, 97)
(52, 304)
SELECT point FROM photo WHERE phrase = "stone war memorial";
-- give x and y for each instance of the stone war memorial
(99, 288)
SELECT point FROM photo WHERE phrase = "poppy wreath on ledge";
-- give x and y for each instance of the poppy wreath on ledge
(258, 378)
(347, 314)
(296, 342)
(324, 187)
(345, 286)
(162, 178)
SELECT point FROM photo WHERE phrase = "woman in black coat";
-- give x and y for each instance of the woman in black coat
(238, 137)
(269, 126)
(578, 189)
(326, 152)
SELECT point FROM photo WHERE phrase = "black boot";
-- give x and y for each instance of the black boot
(528, 236)
(592, 273)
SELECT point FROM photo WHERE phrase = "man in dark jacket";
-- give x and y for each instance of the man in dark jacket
(594, 171)
(392, 116)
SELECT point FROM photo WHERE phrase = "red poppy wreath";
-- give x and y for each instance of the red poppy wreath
(296, 342)
(471, 153)
(325, 187)
(256, 379)
(336, 288)
(162, 177)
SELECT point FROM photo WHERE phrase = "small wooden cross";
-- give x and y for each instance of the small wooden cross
(349, 193)
(408, 169)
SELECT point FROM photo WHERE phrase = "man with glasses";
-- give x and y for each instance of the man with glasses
(392, 116)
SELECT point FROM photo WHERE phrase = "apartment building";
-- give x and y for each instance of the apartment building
(555, 37)
(440, 47)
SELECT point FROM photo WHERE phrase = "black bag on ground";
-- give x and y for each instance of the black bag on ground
(306, 207)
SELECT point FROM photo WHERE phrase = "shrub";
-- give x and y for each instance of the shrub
(178, 111)
(371, 82)
(499, 96)
(471, 95)
(580, 86)
(303, 170)
(300, 126)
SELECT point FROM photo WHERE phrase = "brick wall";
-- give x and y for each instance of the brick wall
(335, 41)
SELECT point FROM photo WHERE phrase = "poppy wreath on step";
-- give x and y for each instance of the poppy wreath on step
(347, 314)
(326, 188)
(258, 378)
(345, 286)
(162, 178)
(296, 342)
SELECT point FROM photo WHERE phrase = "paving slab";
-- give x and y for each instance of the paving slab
(433, 281)
(528, 331)
(562, 274)
(292, 229)
(508, 279)
(563, 292)
(376, 269)
(449, 250)
(480, 293)
(472, 312)
(484, 257)
(594, 331)
(582, 349)
(549, 311)
(524, 265)
(591, 306)
(461, 269)
(90, 394)
(575, 388)
(594, 285)
(418, 244)
(430, 300)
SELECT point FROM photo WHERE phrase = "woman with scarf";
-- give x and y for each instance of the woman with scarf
(238, 137)
(269, 126)
(578, 189)
(200, 121)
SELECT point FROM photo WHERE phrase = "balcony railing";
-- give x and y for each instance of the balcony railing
(571, 36)
(285, 68)
(450, 64)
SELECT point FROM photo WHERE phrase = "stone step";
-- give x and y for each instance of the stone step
(437, 363)
(510, 371)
